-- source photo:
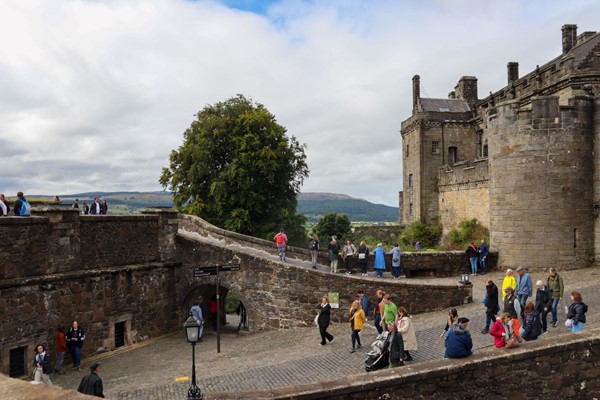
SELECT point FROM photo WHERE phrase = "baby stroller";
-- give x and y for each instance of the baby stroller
(378, 357)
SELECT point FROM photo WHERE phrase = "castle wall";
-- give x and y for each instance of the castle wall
(541, 169)
(464, 194)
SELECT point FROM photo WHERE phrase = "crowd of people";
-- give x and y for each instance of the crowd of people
(22, 208)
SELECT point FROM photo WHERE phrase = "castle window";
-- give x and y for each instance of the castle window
(410, 180)
(452, 154)
(410, 209)
(485, 150)
(435, 147)
(407, 151)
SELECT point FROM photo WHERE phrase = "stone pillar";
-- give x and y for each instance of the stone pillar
(512, 71)
(167, 230)
(416, 91)
(569, 37)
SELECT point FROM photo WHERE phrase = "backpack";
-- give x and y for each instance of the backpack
(314, 245)
(279, 239)
(25, 210)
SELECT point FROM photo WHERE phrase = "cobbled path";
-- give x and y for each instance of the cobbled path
(247, 361)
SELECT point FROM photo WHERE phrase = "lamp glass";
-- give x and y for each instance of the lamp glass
(192, 330)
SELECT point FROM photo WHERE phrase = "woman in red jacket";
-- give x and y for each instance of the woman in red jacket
(501, 330)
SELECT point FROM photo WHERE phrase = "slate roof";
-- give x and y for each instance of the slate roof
(444, 105)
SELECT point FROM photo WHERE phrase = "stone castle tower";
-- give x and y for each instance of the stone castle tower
(524, 161)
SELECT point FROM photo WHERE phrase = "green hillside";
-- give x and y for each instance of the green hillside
(312, 205)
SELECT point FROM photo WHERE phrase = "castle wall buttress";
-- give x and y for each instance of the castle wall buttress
(541, 172)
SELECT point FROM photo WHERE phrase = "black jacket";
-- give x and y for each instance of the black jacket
(472, 252)
(577, 311)
(509, 306)
(532, 327)
(492, 296)
(395, 345)
(543, 299)
(324, 316)
(91, 384)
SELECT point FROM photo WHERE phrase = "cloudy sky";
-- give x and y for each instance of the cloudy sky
(94, 94)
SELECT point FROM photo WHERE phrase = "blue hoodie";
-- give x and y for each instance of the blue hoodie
(460, 344)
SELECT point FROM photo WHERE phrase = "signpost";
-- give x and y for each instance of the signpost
(200, 272)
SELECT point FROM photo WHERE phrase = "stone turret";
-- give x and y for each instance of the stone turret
(416, 91)
(512, 71)
(466, 89)
(569, 37)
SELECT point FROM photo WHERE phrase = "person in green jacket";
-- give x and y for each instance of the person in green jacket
(556, 287)
(390, 312)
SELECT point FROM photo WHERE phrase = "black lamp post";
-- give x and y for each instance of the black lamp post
(192, 330)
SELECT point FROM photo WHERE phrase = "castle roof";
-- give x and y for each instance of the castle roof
(444, 105)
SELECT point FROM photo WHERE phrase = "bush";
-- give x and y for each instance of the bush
(469, 230)
(427, 235)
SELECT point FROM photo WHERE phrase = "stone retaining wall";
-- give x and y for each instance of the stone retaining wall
(565, 367)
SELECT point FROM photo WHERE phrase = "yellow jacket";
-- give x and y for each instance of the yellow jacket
(509, 281)
(359, 319)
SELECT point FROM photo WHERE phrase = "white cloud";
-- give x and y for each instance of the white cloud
(95, 94)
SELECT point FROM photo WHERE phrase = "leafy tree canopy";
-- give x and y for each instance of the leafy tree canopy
(238, 170)
(334, 224)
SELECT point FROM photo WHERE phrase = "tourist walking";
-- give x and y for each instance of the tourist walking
(75, 337)
(473, 255)
(509, 281)
(379, 263)
(323, 319)
(524, 288)
(576, 313)
(92, 383)
(281, 241)
(491, 304)
(394, 346)
(364, 303)
(363, 257)
(61, 348)
(43, 365)
(407, 330)
(389, 313)
(196, 312)
(483, 254)
(334, 251)
(460, 343)
(396, 261)
(357, 321)
(313, 247)
(556, 287)
(348, 254)
(543, 303)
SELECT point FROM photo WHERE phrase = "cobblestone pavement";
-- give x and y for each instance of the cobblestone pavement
(270, 359)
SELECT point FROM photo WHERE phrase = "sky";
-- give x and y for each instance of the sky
(95, 94)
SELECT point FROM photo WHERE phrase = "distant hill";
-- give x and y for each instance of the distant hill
(312, 205)
(315, 205)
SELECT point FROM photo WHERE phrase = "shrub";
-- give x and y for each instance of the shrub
(469, 230)
(427, 235)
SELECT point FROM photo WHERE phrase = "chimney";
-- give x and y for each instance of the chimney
(512, 71)
(416, 91)
(466, 89)
(569, 37)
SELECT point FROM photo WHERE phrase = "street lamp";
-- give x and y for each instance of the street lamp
(192, 330)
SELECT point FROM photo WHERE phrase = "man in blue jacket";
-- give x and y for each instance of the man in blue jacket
(460, 344)
(524, 289)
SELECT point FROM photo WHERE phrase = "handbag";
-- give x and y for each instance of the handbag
(512, 342)
(362, 256)
(396, 260)
(317, 320)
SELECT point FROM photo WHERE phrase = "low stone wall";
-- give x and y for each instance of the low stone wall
(565, 367)
(281, 295)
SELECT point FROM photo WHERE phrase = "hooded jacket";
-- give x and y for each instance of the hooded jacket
(460, 344)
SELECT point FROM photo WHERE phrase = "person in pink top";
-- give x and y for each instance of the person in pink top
(281, 241)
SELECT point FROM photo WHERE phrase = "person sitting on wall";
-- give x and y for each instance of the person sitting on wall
(460, 344)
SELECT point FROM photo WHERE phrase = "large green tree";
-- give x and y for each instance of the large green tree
(238, 170)
(332, 224)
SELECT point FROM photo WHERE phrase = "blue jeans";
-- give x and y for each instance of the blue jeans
(76, 355)
(555, 310)
(379, 272)
(473, 264)
(396, 271)
(482, 264)
(523, 300)
(377, 323)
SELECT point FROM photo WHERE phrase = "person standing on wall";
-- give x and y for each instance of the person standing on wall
(334, 251)
(473, 255)
(363, 257)
(323, 319)
(556, 287)
(483, 254)
(314, 247)
(281, 241)
(75, 337)
(4, 208)
(348, 254)
(396, 261)
(379, 262)
(524, 288)
(103, 207)
(95, 208)
(92, 384)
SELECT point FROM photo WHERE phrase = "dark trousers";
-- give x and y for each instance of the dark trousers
(490, 317)
(363, 268)
(544, 317)
(377, 323)
(348, 262)
(355, 337)
(325, 334)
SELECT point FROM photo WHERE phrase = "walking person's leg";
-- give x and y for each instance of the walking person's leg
(377, 323)
(322, 331)
(554, 312)
(353, 339)
(60, 356)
